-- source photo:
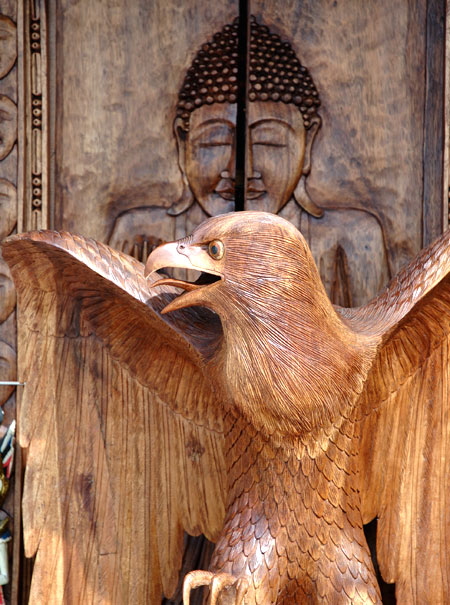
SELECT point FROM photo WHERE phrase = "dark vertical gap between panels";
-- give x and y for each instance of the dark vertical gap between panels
(51, 113)
(241, 112)
(433, 122)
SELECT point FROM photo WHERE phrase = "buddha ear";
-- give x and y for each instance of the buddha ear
(300, 192)
(304, 200)
(179, 130)
(310, 136)
(187, 198)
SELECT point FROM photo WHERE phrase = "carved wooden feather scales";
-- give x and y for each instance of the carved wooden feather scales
(247, 408)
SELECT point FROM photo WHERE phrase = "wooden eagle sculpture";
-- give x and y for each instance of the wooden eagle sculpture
(247, 408)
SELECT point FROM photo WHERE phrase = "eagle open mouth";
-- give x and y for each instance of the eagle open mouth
(205, 279)
(193, 291)
(190, 257)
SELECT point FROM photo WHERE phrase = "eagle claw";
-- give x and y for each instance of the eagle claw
(225, 589)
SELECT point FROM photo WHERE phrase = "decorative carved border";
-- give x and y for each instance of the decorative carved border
(34, 212)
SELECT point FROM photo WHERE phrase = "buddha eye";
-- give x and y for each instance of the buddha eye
(216, 249)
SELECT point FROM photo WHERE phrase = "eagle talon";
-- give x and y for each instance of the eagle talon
(241, 590)
(217, 583)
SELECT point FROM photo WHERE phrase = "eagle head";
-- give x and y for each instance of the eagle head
(244, 253)
(287, 361)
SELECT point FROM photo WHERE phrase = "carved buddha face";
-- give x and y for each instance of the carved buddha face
(282, 123)
(278, 154)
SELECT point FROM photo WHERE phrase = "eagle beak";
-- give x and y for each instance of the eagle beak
(166, 255)
(183, 256)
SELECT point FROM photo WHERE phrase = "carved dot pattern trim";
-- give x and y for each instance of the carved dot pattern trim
(275, 73)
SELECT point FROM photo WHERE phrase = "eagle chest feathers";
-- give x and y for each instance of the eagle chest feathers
(293, 521)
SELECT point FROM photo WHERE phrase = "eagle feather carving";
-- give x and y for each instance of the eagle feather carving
(248, 408)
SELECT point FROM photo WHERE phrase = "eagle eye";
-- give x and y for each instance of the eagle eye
(216, 249)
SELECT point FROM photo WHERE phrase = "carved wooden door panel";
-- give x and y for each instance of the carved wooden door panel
(359, 75)
(131, 123)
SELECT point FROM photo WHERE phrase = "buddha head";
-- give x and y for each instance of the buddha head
(282, 121)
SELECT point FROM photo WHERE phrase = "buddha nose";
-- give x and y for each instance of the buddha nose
(251, 171)
(229, 169)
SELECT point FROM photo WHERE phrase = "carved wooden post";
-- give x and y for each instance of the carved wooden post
(36, 85)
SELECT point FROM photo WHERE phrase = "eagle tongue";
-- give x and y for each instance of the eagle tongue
(205, 279)
(178, 283)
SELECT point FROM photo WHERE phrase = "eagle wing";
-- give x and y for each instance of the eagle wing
(405, 431)
(122, 433)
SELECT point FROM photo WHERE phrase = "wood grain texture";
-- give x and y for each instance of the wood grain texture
(369, 64)
(368, 155)
(433, 220)
(272, 431)
(102, 102)
(119, 69)
(105, 429)
(394, 435)
(282, 124)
